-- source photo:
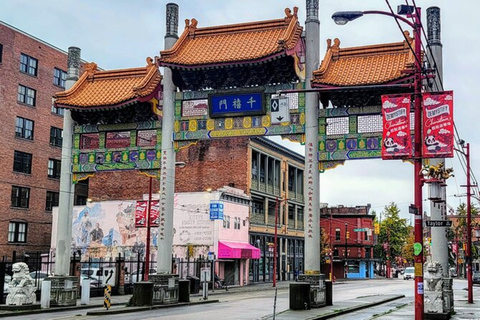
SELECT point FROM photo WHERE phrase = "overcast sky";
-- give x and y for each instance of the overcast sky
(120, 34)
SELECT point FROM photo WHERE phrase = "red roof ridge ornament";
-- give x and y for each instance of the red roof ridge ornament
(289, 15)
(192, 27)
(90, 68)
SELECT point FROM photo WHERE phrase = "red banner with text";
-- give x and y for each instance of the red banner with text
(397, 140)
(141, 210)
(438, 124)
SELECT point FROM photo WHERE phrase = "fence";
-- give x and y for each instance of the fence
(121, 274)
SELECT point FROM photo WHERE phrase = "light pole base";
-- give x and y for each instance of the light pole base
(317, 289)
(63, 291)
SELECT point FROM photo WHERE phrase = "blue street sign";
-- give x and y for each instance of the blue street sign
(235, 105)
(216, 210)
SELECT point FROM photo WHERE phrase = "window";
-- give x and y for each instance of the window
(28, 64)
(56, 137)
(51, 200)
(236, 223)
(22, 162)
(257, 207)
(54, 168)
(80, 200)
(20, 197)
(59, 111)
(24, 128)
(226, 222)
(59, 77)
(1, 52)
(337, 234)
(17, 232)
(26, 95)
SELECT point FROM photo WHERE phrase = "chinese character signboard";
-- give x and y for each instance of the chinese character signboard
(232, 105)
(397, 142)
(141, 210)
(438, 124)
(216, 210)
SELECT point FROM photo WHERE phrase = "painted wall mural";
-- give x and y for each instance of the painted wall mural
(107, 229)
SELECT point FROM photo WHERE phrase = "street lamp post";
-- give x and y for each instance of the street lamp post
(342, 18)
(346, 238)
(468, 251)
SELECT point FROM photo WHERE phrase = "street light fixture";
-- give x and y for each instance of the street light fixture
(468, 252)
(344, 17)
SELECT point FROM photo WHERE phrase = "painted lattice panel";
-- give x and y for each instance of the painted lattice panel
(370, 123)
(337, 126)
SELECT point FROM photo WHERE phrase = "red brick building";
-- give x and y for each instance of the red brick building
(351, 238)
(31, 71)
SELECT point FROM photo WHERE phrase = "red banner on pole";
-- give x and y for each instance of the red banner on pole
(141, 210)
(397, 140)
(438, 124)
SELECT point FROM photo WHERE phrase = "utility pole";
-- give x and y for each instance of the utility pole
(468, 253)
(346, 248)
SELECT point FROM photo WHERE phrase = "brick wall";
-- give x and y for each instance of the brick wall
(119, 185)
(213, 164)
(39, 221)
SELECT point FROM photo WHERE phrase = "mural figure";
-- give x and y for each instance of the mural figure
(97, 234)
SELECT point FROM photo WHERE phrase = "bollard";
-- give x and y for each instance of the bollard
(107, 294)
(328, 293)
(299, 296)
(85, 298)
(205, 290)
(45, 294)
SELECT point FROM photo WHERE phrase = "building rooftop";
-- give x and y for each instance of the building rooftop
(233, 44)
(109, 89)
(366, 65)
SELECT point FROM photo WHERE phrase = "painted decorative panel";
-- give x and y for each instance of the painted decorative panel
(116, 147)
(192, 124)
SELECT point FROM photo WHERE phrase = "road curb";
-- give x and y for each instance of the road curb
(355, 308)
(146, 308)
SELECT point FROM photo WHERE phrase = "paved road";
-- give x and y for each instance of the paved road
(259, 304)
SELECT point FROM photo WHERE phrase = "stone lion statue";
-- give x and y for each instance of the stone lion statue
(21, 287)
(433, 276)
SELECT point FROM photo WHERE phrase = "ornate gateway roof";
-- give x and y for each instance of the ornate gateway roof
(252, 53)
(367, 65)
(100, 90)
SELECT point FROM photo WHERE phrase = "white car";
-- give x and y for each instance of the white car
(409, 273)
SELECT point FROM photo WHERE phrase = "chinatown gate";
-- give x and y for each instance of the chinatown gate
(251, 79)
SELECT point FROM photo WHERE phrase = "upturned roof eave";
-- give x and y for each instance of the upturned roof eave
(118, 105)
(398, 81)
(218, 65)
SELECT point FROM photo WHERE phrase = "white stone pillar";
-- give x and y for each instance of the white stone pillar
(167, 173)
(312, 178)
(65, 206)
(439, 249)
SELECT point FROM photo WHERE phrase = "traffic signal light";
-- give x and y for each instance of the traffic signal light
(348, 234)
(377, 228)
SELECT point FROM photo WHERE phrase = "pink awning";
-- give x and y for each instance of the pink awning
(237, 250)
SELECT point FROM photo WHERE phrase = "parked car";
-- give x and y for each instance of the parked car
(476, 277)
(136, 276)
(453, 272)
(409, 273)
(94, 281)
(38, 277)
(6, 288)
